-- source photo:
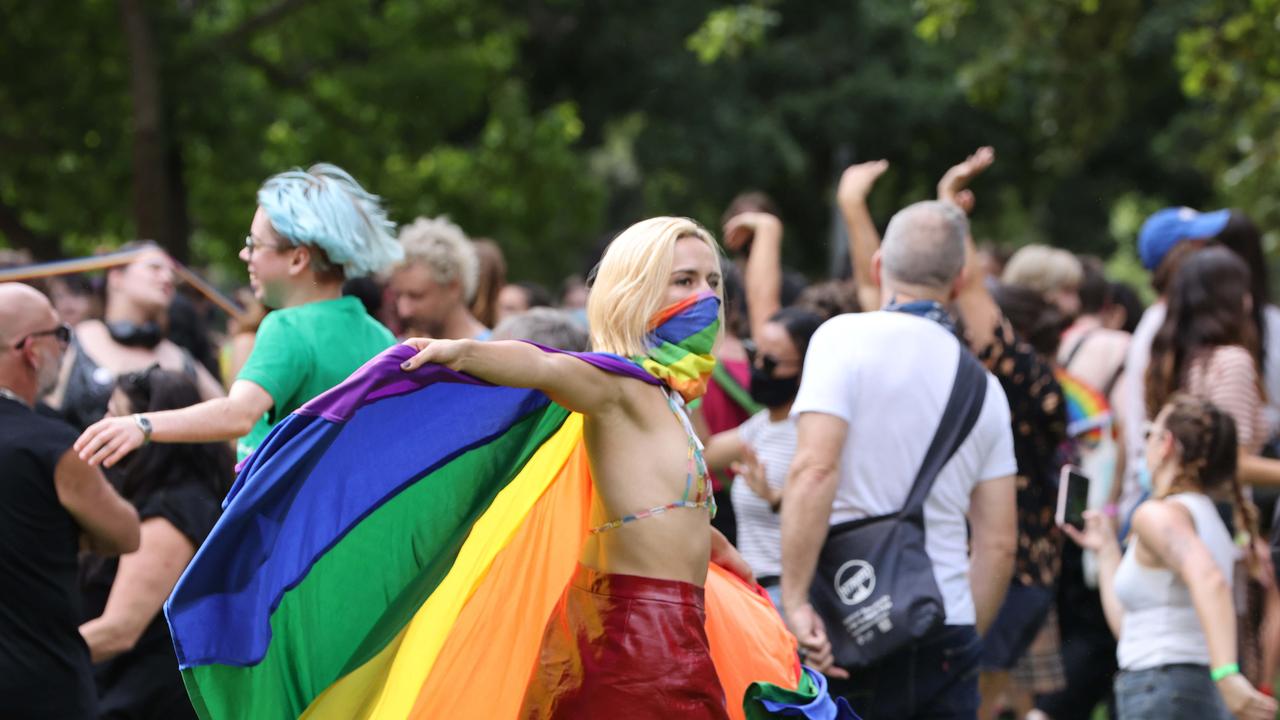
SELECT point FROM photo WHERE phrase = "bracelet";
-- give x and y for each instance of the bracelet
(1223, 671)
(144, 425)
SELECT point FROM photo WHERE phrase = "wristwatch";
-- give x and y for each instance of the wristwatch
(144, 425)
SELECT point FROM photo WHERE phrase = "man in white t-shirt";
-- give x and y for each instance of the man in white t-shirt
(872, 395)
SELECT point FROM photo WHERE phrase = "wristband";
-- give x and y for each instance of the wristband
(1223, 671)
(1267, 689)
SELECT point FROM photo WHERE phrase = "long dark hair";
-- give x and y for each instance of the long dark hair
(1242, 237)
(154, 466)
(1206, 310)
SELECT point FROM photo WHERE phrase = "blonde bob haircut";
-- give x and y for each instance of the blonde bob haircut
(631, 282)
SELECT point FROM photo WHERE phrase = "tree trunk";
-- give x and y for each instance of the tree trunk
(155, 210)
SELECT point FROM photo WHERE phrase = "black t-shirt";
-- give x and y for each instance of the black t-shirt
(145, 682)
(44, 663)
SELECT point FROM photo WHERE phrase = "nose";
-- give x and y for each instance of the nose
(244, 255)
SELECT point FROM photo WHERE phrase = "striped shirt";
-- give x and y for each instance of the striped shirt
(1228, 378)
(759, 528)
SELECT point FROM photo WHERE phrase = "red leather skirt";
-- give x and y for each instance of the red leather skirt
(623, 647)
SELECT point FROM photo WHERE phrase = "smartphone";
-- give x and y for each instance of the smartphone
(1073, 497)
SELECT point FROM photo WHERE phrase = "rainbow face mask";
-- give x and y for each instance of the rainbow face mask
(681, 337)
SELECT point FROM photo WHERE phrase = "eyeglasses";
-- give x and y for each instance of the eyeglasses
(251, 243)
(61, 333)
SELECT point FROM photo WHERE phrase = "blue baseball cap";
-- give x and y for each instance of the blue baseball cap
(1170, 226)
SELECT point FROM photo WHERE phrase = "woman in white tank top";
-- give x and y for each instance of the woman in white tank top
(1168, 597)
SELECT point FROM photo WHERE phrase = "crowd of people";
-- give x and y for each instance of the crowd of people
(929, 397)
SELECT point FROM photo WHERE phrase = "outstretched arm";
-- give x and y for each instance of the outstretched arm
(571, 382)
(109, 440)
(864, 239)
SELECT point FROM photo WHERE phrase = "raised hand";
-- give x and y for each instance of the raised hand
(744, 226)
(953, 187)
(752, 471)
(856, 182)
(1099, 531)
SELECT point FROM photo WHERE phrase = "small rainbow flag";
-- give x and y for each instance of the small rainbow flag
(1088, 413)
(395, 548)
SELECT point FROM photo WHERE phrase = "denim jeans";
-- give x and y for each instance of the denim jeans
(1169, 692)
(936, 679)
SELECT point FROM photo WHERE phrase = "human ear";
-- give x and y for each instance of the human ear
(300, 259)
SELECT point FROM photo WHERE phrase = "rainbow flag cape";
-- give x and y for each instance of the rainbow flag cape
(394, 549)
(1088, 413)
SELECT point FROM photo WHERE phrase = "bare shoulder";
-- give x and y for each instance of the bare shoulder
(1155, 518)
(91, 333)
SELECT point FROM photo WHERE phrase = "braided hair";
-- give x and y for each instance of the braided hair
(1206, 442)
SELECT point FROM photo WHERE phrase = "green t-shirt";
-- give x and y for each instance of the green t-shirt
(303, 351)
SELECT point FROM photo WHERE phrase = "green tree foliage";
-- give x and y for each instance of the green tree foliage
(417, 99)
(549, 125)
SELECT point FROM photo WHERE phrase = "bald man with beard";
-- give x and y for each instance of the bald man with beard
(51, 504)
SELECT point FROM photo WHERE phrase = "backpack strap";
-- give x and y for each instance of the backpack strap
(1075, 349)
(968, 392)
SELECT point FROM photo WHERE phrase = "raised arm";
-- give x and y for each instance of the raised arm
(976, 307)
(567, 380)
(851, 196)
(1167, 530)
(109, 522)
(763, 277)
(806, 512)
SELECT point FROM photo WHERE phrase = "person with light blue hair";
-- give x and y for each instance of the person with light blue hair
(324, 208)
(312, 230)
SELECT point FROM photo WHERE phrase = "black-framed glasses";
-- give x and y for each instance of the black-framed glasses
(251, 243)
(61, 333)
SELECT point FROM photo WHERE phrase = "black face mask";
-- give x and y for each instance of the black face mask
(771, 391)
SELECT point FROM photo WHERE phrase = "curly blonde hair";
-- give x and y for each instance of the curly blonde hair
(440, 245)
